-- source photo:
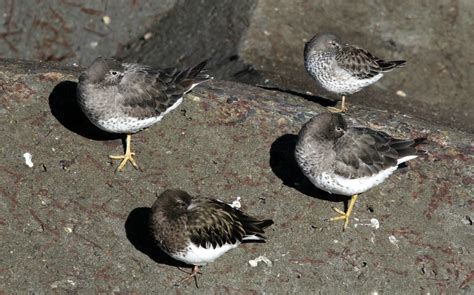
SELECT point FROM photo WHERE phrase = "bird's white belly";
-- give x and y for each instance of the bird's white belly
(198, 255)
(126, 124)
(336, 184)
(338, 80)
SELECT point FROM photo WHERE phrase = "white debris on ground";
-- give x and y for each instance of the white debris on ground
(28, 157)
(147, 36)
(66, 283)
(254, 262)
(106, 20)
(236, 204)
(401, 93)
(373, 223)
(393, 240)
(193, 97)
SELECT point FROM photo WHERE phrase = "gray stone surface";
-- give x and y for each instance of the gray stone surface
(433, 36)
(194, 31)
(74, 31)
(69, 224)
(261, 42)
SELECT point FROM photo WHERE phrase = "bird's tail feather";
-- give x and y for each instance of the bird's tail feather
(390, 65)
(407, 147)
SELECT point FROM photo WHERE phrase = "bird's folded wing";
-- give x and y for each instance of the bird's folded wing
(214, 223)
(362, 152)
(358, 62)
(149, 92)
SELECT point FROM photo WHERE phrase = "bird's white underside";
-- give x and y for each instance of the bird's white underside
(131, 124)
(198, 255)
(335, 78)
(337, 184)
(347, 83)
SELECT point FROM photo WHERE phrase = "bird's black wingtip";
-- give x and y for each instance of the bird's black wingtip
(266, 223)
(390, 65)
(198, 72)
(420, 140)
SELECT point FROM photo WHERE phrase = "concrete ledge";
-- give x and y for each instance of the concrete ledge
(70, 224)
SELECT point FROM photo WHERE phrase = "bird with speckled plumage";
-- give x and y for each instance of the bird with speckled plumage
(343, 68)
(126, 98)
(349, 160)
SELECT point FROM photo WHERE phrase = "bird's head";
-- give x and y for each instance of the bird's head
(173, 202)
(103, 70)
(325, 126)
(322, 42)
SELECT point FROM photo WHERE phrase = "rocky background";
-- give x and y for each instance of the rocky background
(68, 224)
(261, 43)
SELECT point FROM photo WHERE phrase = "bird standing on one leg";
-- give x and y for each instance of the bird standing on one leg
(197, 231)
(126, 98)
(342, 68)
(349, 161)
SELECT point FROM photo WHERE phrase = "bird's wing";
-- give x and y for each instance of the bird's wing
(364, 152)
(214, 223)
(149, 92)
(358, 62)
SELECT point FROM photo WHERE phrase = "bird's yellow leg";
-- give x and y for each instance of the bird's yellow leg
(128, 156)
(343, 108)
(345, 215)
(343, 104)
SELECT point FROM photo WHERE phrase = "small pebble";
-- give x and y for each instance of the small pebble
(28, 157)
(254, 262)
(147, 36)
(401, 93)
(106, 20)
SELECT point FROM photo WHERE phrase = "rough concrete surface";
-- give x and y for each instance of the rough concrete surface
(261, 42)
(74, 31)
(433, 36)
(69, 224)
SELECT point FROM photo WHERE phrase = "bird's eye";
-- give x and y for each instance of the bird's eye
(181, 204)
(114, 73)
(339, 129)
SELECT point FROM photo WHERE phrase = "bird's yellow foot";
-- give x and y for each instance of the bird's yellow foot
(125, 158)
(191, 275)
(336, 110)
(345, 215)
(343, 108)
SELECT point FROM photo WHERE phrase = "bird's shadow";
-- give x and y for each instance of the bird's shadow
(283, 164)
(64, 107)
(323, 101)
(138, 233)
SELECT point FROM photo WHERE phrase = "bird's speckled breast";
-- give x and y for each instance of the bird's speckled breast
(324, 69)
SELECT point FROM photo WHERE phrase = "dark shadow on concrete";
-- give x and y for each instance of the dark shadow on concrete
(323, 101)
(138, 234)
(64, 107)
(283, 164)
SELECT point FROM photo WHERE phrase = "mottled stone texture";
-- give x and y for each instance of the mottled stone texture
(261, 42)
(433, 36)
(69, 224)
(74, 31)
